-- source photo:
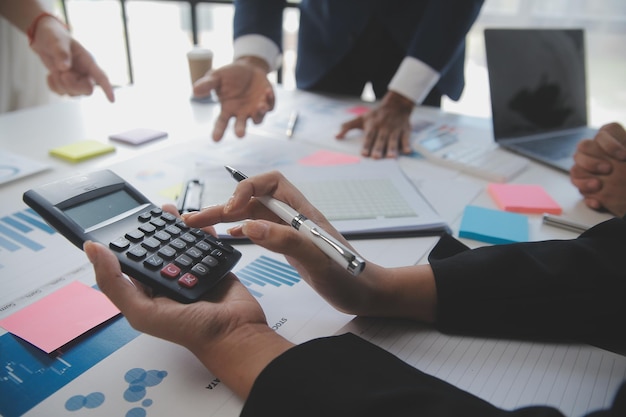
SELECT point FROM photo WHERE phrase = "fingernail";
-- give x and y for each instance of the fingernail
(255, 230)
(604, 168)
(87, 248)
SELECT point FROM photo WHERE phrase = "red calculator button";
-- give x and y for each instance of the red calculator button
(170, 271)
(188, 280)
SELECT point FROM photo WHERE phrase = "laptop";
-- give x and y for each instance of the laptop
(537, 83)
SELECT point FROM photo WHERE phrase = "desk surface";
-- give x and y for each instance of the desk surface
(34, 131)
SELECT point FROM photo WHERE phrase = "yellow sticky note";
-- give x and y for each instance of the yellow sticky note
(79, 151)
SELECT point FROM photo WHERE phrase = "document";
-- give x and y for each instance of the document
(575, 378)
(362, 200)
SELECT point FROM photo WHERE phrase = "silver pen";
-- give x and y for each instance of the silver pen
(562, 223)
(291, 124)
(328, 244)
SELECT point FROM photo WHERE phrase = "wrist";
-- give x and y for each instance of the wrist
(238, 358)
(31, 30)
(254, 61)
(409, 293)
(398, 101)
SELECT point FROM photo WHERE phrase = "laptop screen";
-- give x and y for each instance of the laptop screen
(537, 80)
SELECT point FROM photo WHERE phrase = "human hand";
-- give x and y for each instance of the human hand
(397, 292)
(72, 69)
(227, 331)
(386, 129)
(599, 171)
(243, 91)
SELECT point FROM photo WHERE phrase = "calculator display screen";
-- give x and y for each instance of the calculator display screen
(102, 208)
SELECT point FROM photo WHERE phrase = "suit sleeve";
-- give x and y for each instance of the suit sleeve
(254, 17)
(348, 376)
(440, 36)
(555, 289)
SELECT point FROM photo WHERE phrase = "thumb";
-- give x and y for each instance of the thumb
(112, 282)
(356, 123)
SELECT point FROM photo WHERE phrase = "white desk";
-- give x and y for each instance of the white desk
(33, 132)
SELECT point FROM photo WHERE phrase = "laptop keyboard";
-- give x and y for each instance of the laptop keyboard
(558, 147)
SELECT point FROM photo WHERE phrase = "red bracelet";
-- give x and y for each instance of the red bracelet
(30, 32)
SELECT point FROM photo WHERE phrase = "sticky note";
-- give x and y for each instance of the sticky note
(61, 316)
(326, 158)
(138, 136)
(493, 226)
(80, 151)
(523, 198)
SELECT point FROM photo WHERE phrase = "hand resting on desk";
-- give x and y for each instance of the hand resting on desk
(599, 171)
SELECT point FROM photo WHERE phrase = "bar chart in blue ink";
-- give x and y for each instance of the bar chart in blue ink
(27, 240)
(265, 271)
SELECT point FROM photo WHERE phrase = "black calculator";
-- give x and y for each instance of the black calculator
(153, 246)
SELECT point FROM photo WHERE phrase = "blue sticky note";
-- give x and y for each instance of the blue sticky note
(493, 226)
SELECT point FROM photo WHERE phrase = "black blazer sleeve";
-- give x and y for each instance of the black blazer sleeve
(555, 289)
(346, 376)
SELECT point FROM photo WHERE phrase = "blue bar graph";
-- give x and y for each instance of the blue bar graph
(267, 271)
(18, 230)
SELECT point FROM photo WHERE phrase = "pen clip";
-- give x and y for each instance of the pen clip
(355, 263)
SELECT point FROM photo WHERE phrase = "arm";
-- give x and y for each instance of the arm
(599, 170)
(72, 69)
(432, 50)
(563, 289)
(242, 87)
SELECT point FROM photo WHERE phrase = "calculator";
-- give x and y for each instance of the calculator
(153, 246)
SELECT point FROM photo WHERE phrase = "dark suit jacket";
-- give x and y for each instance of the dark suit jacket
(433, 31)
(572, 289)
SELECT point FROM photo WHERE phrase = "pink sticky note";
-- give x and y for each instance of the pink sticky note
(61, 316)
(523, 198)
(326, 158)
(358, 110)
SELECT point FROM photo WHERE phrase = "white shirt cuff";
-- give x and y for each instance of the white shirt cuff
(260, 47)
(414, 79)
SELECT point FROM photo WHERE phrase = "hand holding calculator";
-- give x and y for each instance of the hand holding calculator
(153, 246)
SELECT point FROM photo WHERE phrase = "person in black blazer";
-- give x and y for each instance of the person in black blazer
(412, 51)
(560, 289)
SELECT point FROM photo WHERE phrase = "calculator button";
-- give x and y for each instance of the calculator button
(188, 280)
(200, 270)
(210, 261)
(168, 217)
(167, 252)
(153, 262)
(188, 237)
(156, 211)
(162, 236)
(194, 253)
(217, 253)
(170, 271)
(197, 232)
(224, 246)
(147, 228)
(173, 230)
(179, 244)
(203, 246)
(151, 244)
(159, 223)
(183, 261)
(120, 244)
(137, 253)
(135, 235)
(144, 217)
(181, 225)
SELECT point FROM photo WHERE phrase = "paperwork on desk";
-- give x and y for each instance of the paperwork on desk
(362, 198)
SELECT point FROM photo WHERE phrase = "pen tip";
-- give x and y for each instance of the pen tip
(229, 169)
